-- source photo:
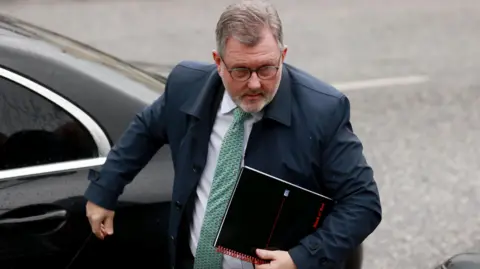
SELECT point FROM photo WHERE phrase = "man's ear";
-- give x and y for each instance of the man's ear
(217, 59)
(284, 52)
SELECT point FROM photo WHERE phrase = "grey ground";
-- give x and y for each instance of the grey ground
(421, 139)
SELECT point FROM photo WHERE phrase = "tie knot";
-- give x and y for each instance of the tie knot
(239, 115)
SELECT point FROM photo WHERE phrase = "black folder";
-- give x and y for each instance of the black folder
(262, 213)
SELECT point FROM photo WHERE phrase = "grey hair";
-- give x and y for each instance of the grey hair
(245, 22)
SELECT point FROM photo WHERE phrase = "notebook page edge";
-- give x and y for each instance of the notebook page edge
(228, 206)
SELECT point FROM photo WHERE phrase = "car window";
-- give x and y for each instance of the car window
(35, 131)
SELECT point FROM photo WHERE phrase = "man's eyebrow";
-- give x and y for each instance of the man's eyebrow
(238, 65)
(270, 62)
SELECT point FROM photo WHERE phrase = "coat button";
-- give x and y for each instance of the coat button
(314, 246)
(196, 169)
(178, 205)
(323, 261)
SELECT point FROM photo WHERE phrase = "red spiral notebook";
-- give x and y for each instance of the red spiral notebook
(268, 213)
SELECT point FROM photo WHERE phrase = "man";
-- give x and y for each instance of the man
(248, 108)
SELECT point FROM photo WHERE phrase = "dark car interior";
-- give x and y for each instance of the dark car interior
(37, 147)
(3, 138)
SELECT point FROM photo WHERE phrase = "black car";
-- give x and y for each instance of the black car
(462, 260)
(63, 105)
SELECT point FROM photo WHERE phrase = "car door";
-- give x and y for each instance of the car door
(44, 151)
(47, 147)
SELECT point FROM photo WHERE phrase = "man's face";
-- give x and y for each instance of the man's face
(254, 93)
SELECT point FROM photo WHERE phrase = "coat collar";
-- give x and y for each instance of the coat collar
(279, 109)
(199, 105)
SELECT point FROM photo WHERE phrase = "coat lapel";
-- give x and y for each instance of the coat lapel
(202, 110)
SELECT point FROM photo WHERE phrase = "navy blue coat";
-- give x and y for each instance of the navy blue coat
(305, 137)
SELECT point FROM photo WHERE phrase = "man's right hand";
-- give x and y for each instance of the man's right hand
(101, 220)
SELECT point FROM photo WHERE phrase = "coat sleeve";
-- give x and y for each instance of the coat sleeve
(145, 135)
(350, 181)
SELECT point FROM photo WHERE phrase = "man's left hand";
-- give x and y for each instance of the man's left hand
(278, 259)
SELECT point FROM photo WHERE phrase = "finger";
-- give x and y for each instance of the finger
(266, 254)
(102, 229)
(108, 226)
(95, 224)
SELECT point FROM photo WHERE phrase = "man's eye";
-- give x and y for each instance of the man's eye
(267, 71)
(240, 72)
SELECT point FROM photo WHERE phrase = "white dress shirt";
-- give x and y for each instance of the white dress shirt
(222, 123)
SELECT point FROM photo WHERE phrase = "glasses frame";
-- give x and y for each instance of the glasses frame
(251, 70)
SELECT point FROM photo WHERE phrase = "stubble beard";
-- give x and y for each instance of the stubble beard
(256, 105)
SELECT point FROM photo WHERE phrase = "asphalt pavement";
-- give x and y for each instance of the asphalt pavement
(422, 138)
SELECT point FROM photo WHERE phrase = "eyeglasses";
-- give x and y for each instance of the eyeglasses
(244, 73)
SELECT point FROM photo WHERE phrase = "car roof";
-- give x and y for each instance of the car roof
(33, 43)
(108, 89)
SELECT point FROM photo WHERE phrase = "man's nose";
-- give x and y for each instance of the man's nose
(254, 81)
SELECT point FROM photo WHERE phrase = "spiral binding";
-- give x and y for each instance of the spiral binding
(240, 256)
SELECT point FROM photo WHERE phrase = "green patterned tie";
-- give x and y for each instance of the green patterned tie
(226, 172)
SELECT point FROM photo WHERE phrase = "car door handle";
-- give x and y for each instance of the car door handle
(53, 215)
